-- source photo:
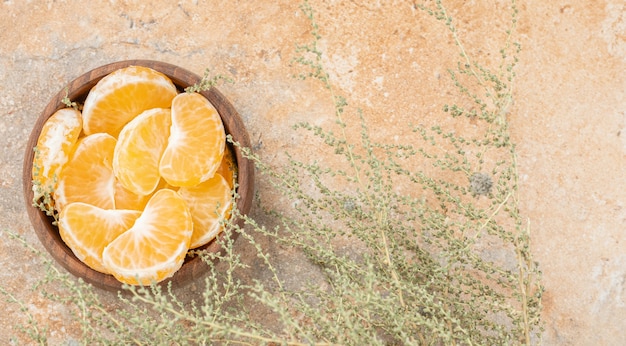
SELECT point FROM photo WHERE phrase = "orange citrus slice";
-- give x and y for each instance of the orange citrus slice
(122, 95)
(154, 248)
(139, 149)
(55, 145)
(88, 176)
(87, 230)
(196, 142)
(209, 203)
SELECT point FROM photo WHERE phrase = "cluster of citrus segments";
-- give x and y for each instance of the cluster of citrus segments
(139, 177)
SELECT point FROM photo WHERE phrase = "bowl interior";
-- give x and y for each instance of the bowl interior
(77, 91)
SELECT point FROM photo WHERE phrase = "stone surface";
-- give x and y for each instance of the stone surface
(568, 117)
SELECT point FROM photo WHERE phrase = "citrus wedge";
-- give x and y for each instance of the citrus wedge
(209, 203)
(87, 230)
(55, 145)
(154, 248)
(139, 149)
(122, 95)
(196, 142)
(88, 176)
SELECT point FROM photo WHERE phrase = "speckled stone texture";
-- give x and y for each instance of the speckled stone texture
(568, 118)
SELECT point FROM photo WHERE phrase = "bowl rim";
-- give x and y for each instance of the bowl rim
(76, 90)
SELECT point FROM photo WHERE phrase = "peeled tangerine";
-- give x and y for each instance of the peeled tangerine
(55, 145)
(88, 176)
(196, 142)
(87, 229)
(138, 151)
(122, 95)
(209, 203)
(154, 248)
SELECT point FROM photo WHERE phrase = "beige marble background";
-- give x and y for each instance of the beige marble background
(568, 117)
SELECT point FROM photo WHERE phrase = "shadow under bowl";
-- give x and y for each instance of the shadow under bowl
(77, 91)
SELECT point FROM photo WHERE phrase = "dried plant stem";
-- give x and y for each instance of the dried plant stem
(524, 287)
(493, 214)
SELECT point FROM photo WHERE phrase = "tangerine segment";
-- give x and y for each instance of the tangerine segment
(196, 143)
(55, 145)
(88, 176)
(122, 95)
(87, 229)
(209, 203)
(154, 248)
(139, 149)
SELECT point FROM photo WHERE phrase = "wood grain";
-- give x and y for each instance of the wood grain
(77, 90)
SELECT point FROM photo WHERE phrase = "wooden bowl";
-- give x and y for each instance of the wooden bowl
(77, 90)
